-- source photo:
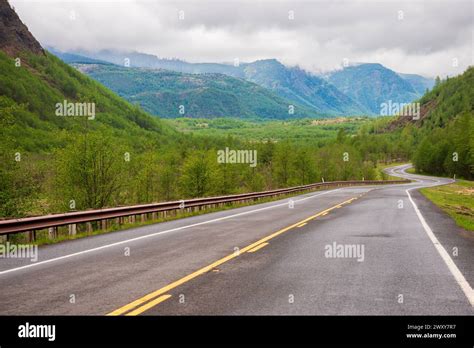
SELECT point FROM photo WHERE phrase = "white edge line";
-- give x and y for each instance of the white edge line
(463, 283)
(155, 234)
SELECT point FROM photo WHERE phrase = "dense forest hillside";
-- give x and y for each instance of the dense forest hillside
(447, 147)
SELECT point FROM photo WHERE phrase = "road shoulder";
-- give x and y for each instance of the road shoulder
(457, 241)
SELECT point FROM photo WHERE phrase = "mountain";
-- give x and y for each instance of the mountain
(143, 60)
(165, 93)
(301, 86)
(72, 58)
(372, 84)
(14, 35)
(290, 83)
(419, 83)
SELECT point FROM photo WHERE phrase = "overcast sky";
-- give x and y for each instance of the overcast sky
(427, 37)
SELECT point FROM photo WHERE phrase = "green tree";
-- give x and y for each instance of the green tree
(199, 173)
(90, 172)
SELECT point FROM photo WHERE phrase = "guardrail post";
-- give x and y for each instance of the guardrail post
(143, 217)
(52, 232)
(72, 229)
(31, 235)
(103, 224)
(89, 227)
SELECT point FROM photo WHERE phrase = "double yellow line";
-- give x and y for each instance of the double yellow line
(152, 299)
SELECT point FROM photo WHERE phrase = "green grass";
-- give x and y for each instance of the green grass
(456, 199)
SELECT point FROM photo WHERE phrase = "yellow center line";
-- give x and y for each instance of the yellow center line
(149, 305)
(258, 247)
(167, 288)
(302, 225)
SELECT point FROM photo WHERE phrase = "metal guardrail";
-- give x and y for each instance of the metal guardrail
(31, 224)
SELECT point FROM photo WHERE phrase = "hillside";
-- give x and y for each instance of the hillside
(444, 103)
(30, 94)
(14, 35)
(163, 92)
(373, 84)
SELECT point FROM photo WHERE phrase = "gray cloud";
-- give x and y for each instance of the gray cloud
(421, 36)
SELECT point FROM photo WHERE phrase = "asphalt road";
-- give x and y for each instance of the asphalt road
(355, 250)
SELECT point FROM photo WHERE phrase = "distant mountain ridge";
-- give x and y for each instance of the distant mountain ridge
(72, 58)
(356, 90)
(419, 83)
(293, 84)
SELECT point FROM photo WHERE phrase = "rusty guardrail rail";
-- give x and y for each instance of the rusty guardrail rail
(31, 224)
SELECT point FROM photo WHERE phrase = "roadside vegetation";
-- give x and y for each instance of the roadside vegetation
(456, 199)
